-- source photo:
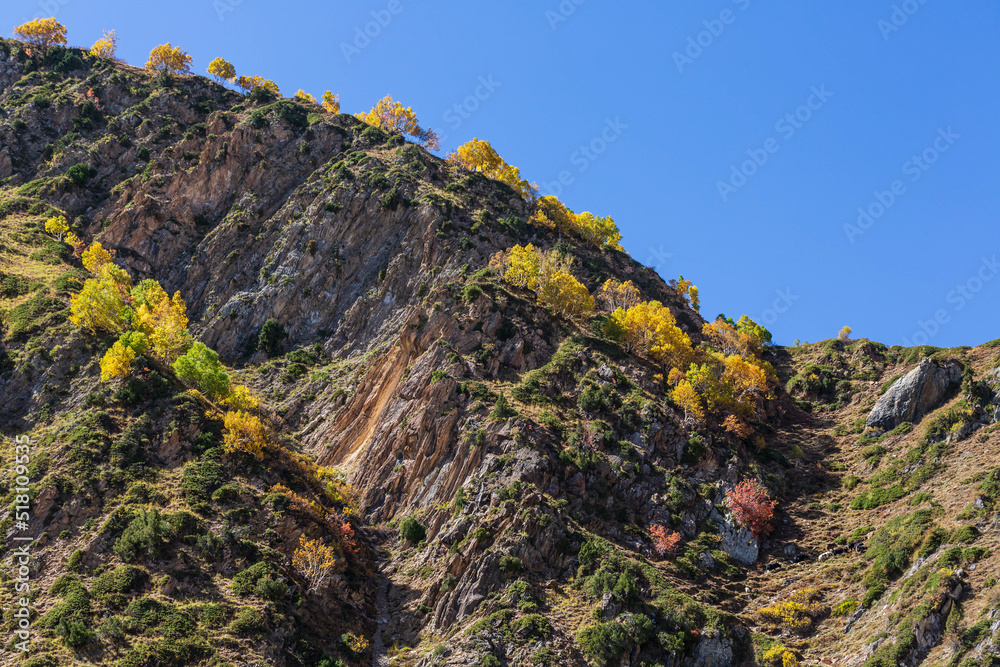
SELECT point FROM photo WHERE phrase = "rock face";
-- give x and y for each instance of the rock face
(739, 543)
(915, 394)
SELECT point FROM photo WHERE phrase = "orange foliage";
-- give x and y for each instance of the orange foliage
(665, 542)
(752, 506)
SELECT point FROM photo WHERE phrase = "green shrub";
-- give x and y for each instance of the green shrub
(248, 622)
(965, 535)
(533, 627)
(271, 335)
(144, 536)
(79, 174)
(260, 579)
(510, 564)
(411, 530)
(878, 497)
(113, 586)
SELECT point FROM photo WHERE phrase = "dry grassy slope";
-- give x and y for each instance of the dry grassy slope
(814, 519)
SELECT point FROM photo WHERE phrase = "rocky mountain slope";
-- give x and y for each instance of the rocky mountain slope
(499, 466)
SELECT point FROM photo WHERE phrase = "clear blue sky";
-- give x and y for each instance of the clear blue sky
(559, 79)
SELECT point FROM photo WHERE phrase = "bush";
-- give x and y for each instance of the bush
(878, 497)
(261, 580)
(472, 292)
(113, 586)
(411, 530)
(79, 174)
(533, 627)
(143, 537)
(603, 643)
(248, 622)
(510, 564)
(271, 335)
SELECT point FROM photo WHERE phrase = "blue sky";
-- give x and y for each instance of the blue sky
(646, 109)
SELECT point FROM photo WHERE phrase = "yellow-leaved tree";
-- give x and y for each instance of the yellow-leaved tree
(650, 328)
(315, 562)
(331, 102)
(169, 59)
(222, 70)
(42, 33)
(250, 83)
(685, 396)
(566, 295)
(304, 97)
(117, 362)
(163, 320)
(614, 295)
(392, 116)
(548, 275)
(106, 46)
(685, 289)
(600, 231)
(101, 304)
(245, 433)
(57, 226)
(479, 155)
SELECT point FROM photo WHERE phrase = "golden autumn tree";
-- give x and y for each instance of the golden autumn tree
(650, 328)
(169, 59)
(42, 33)
(117, 362)
(304, 97)
(57, 226)
(222, 70)
(315, 561)
(614, 295)
(685, 289)
(548, 275)
(102, 304)
(250, 83)
(685, 396)
(479, 155)
(244, 433)
(600, 231)
(392, 116)
(552, 213)
(331, 102)
(241, 398)
(164, 321)
(523, 266)
(566, 295)
(106, 46)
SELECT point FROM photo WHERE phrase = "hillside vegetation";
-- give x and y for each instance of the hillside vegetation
(300, 392)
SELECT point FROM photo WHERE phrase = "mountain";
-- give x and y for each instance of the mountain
(489, 468)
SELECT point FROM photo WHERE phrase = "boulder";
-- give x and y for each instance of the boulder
(915, 394)
(739, 543)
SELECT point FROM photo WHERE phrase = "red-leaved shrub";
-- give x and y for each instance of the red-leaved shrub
(752, 506)
(664, 541)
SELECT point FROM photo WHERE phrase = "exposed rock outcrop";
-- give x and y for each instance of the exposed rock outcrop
(915, 394)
